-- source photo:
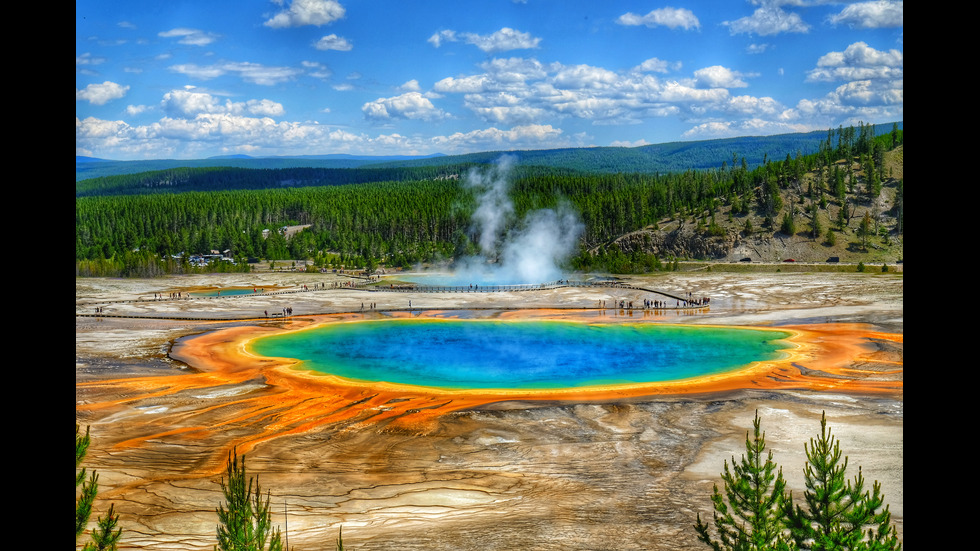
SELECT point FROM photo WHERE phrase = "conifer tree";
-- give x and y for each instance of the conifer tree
(839, 514)
(246, 524)
(106, 536)
(89, 484)
(748, 516)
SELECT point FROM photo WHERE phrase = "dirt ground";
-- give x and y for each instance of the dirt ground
(630, 473)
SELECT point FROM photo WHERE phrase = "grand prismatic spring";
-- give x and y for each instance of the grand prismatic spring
(170, 387)
(519, 354)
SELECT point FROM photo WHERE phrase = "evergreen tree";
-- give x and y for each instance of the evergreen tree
(748, 516)
(837, 511)
(106, 536)
(864, 230)
(831, 237)
(815, 226)
(246, 525)
(89, 484)
(789, 224)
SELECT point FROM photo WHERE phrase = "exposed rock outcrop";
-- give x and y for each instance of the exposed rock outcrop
(681, 242)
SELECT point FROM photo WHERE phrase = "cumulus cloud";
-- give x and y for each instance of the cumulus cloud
(136, 109)
(858, 62)
(871, 15)
(503, 40)
(522, 91)
(100, 94)
(190, 37)
(333, 42)
(411, 86)
(718, 77)
(410, 105)
(306, 12)
(672, 18)
(655, 65)
(768, 19)
(518, 137)
(197, 134)
(190, 103)
(747, 127)
(871, 87)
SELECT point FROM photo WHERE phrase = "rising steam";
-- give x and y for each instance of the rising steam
(531, 250)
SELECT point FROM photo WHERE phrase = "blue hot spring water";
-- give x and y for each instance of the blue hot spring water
(223, 292)
(478, 354)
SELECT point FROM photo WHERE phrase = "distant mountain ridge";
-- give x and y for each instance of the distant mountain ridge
(656, 158)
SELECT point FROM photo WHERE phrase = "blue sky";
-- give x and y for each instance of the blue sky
(192, 79)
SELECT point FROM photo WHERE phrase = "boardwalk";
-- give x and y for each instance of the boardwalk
(278, 304)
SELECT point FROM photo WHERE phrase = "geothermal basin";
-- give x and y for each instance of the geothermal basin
(171, 387)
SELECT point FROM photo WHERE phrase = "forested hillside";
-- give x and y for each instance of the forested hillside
(841, 197)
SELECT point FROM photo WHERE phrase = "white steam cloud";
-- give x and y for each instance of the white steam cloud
(531, 250)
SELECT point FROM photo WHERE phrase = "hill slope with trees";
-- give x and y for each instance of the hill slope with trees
(844, 200)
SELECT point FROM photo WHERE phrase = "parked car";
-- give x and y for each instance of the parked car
(746, 259)
(834, 259)
(790, 260)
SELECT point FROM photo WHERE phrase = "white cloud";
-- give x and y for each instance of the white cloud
(858, 62)
(307, 12)
(190, 37)
(442, 36)
(524, 91)
(655, 65)
(871, 15)
(317, 70)
(748, 127)
(624, 143)
(754, 107)
(136, 109)
(872, 87)
(410, 105)
(250, 72)
(208, 134)
(518, 137)
(100, 94)
(718, 77)
(503, 40)
(333, 42)
(190, 103)
(767, 20)
(672, 18)
(88, 59)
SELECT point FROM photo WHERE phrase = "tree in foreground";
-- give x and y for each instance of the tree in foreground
(838, 513)
(106, 535)
(89, 484)
(246, 523)
(748, 516)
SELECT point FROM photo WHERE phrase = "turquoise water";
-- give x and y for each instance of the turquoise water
(224, 292)
(468, 354)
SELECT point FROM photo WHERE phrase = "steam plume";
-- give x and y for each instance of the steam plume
(531, 250)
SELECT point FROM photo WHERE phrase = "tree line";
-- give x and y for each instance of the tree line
(404, 222)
